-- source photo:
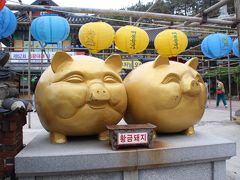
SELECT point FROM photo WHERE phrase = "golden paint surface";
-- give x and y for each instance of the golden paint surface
(80, 95)
(168, 94)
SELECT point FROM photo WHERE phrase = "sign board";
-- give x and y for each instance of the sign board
(130, 63)
(36, 46)
(132, 138)
(36, 57)
(18, 45)
(131, 135)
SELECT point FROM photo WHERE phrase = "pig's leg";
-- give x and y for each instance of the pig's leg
(57, 138)
(104, 136)
(154, 134)
(190, 131)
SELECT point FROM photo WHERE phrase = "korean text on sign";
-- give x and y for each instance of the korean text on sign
(132, 138)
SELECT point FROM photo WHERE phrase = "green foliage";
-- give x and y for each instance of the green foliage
(236, 78)
(183, 7)
(222, 71)
(139, 6)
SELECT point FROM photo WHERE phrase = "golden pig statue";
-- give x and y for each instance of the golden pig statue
(80, 95)
(168, 94)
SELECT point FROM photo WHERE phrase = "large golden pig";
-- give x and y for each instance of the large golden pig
(80, 95)
(168, 94)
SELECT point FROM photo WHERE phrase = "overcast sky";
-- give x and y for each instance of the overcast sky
(102, 4)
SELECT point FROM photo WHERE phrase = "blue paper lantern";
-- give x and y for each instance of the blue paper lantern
(8, 22)
(235, 48)
(50, 29)
(216, 45)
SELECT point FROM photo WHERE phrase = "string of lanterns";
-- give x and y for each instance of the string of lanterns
(170, 42)
(97, 36)
(131, 39)
(235, 48)
(219, 45)
(55, 29)
(8, 22)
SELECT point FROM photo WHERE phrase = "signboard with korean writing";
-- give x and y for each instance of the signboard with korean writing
(67, 45)
(132, 138)
(36, 57)
(36, 46)
(130, 64)
(18, 45)
(131, 135)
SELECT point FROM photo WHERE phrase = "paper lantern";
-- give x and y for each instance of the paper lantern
(96, 36)
(8, 22)
(131, 39)
(50, 28)
(170, 42)
(235, 48)
(216, 45)
(2, 4)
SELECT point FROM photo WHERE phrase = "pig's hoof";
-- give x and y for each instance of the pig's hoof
(190, 131)
(57, 138)
(154, 134)
(104, 136)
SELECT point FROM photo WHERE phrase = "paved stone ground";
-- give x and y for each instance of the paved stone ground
(215, 121)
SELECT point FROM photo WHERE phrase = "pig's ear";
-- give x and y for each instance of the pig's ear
(193, 63)
(160, 60)
(114, 62)
(58, 59)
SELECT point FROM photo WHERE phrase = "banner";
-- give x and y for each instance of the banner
(36, 57)
(18, 45)
(130, 64)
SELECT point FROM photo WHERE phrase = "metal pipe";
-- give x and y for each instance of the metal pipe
(29, 64)
(210, 9)
(148, 10)
(237, 85)
(216, 6)
(229, 89)
(237, 10)
(193, 25)
(111, 12)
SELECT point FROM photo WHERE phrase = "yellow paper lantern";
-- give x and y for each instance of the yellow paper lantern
(170, 42)
(96, 36)
(131, 39)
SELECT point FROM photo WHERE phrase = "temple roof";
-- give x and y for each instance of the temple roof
(44, 2)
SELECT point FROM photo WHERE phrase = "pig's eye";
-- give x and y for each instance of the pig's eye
(74, 79)
(171, 78)
(198, 78)
(110, 79)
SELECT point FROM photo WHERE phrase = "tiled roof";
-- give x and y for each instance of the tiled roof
(44, 2)
(80, 19)
(21, 18)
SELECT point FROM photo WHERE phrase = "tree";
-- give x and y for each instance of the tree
(183, 7)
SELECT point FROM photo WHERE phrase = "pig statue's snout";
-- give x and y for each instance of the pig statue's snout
(97, 92)
(191, 87)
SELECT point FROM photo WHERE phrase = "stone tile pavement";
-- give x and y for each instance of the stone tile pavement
(215, 121)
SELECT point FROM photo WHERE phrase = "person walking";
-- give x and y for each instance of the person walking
(220, 91)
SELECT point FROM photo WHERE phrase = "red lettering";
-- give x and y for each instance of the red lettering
(143, 137)
(129, 138)
(136, 137)
(122, 138)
